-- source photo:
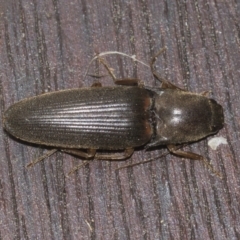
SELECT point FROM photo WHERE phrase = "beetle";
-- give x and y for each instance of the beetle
(118, 119)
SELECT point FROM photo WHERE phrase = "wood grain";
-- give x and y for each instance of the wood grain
(46, 46)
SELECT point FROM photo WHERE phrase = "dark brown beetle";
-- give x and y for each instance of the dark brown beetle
(117, 118)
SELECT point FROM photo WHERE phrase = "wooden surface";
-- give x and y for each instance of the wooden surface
(46, 46)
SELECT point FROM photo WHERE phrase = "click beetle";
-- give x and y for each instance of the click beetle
(115, 119)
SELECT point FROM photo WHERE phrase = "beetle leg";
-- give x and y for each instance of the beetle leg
(110, 70)
(154, 58)
(115, 156)
(205, 93)
(78, 167)
(96, 84)
(173, 149)
(47, 154)
(87, 155)
(165, 83)
(124, 81)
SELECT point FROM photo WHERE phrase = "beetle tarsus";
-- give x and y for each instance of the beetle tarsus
(48, 153)
(84, 163)
(154, 58)
(193, 156)
(165, 83)
(205, 93)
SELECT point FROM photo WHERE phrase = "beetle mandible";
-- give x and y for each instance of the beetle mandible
(115, 119)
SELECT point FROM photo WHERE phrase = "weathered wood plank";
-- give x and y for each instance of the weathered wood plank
(46, 46)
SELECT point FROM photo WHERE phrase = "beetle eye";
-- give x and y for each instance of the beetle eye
(215, 128)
